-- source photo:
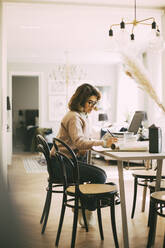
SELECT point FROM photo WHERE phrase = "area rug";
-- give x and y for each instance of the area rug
(35, 165)
(38, 165)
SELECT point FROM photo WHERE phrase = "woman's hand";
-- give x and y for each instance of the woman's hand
(52, 151)
(110, 141)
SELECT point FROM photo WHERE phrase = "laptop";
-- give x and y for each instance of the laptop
(135, 123)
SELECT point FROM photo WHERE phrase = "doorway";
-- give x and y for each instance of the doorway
(25, 111)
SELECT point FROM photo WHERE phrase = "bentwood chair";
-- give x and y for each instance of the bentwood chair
(54, 185)
(102, 194)
(142, 178)
(152, 186)
(157, 200)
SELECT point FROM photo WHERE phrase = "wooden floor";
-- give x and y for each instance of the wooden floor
(28, 192)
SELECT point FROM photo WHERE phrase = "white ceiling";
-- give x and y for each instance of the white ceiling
(44, 31)
(146, 3)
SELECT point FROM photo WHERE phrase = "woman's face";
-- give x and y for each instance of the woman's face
(90, 104)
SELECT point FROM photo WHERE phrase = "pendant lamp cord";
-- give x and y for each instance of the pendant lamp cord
(135, 9)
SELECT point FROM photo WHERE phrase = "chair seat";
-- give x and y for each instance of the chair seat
(142, 178)
(145, 174)
(159, 196)
(93, 189)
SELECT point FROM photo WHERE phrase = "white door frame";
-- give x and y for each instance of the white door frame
(40, 82)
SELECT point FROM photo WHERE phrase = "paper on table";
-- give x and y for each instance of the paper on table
(100, 149)
(130, 146)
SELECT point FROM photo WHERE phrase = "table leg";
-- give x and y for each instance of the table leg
(157, 188)
(158, 174)
(123, 205)
(147, 164)
(144, 197)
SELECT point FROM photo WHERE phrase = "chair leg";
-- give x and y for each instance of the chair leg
(100, 221)
(149, 215)
(161, 208)
(152, 228)
(113, 223)
(44, 210)
(47, 211)
(74, 229)
(84, 218)
(134, 198)
(61, 220)
(150, 209)
(144, 196)
(84, 215)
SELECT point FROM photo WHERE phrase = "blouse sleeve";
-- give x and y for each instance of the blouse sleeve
(76, 127)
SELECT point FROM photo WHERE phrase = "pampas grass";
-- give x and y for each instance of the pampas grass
(136, 70)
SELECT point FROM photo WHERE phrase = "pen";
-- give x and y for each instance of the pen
(113, 146)
(110, 133)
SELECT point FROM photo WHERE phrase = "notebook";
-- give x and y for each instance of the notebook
(132, 147)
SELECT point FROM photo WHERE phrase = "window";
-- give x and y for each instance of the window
(127, 97)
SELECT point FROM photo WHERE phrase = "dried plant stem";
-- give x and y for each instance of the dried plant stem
(137, 71)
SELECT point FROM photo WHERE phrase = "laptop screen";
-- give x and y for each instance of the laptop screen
(136, 121)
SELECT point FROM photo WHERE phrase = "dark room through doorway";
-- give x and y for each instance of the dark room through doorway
(25, 111)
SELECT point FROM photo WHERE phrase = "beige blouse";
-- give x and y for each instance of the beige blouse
(74, 131)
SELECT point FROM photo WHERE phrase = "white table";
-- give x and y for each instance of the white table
(126, 156)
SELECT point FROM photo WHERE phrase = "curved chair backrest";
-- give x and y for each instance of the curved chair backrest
(63, 160)
(41, 149)
(42, 141)
(44, 148)
(70, 159)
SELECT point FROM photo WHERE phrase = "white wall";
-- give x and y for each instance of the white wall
(163, 61)
(95, 73)
(3, 105)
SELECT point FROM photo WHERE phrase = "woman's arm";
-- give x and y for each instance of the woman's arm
(76, 129)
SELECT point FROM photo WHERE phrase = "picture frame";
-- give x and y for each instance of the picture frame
(57, 107)
(56, 87)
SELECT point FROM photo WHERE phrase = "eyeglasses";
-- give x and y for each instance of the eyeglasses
(92, 103)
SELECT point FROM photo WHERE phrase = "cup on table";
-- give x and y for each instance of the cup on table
(129, 137)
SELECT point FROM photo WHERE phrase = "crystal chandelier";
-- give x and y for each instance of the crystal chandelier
(147, 21)
(68, 72)
(70, 75)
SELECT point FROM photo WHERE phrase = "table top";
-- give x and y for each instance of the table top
(134, 155)
(128, 155)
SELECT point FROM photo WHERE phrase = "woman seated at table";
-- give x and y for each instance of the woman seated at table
(74, 131)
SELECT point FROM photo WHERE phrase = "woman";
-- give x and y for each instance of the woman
(74, 131)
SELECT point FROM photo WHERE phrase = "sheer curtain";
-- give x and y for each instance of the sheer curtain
(127, 97)
(153, 63)
(131, 98)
